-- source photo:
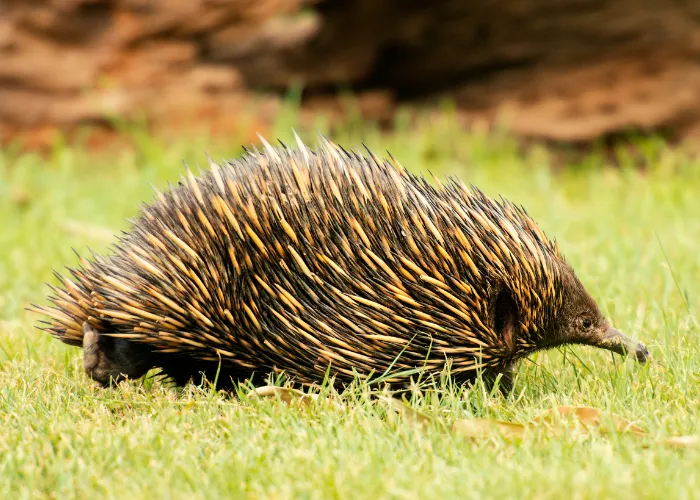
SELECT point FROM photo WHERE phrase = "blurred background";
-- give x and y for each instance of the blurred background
(559, 72)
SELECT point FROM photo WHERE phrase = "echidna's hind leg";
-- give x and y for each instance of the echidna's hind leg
(109, 360)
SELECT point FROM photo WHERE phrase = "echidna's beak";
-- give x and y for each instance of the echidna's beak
(616, 341)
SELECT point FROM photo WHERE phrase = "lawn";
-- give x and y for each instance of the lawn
(631, 234)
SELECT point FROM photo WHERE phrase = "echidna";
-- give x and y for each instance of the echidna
(327, 261)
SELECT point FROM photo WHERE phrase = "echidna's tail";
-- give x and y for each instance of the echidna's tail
(71, 305)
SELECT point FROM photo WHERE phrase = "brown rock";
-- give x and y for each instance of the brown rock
(215, 79)
(37, 63)
(151, 63)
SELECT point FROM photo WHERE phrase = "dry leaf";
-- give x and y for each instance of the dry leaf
(473, 428)
(485, 428)
(20, 197)
(285, 394)
(589, 417)
(406, 411)
(682, 441)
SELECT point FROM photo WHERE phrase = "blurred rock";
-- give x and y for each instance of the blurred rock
(564, 71)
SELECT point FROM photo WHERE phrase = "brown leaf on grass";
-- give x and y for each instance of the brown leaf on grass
(682, 441)
(472, 428)
(589, 418)
(485, 428)
(20, 197)
(408, 413)
(285, 394)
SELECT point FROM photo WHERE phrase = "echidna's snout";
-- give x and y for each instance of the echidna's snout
(614, 340)
(643, 355)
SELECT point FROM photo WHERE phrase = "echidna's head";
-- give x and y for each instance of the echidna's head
(578, 320)
(535, 301)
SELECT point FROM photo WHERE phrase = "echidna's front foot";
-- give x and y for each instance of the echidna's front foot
(505, 381)
(109, 360)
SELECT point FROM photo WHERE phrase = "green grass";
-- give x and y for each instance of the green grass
(632, 237)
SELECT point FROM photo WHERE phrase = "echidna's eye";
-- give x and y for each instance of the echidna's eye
(587, 323)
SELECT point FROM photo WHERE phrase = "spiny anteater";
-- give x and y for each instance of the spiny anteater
(297, 260)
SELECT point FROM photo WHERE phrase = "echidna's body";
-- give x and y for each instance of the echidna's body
(295, 261)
